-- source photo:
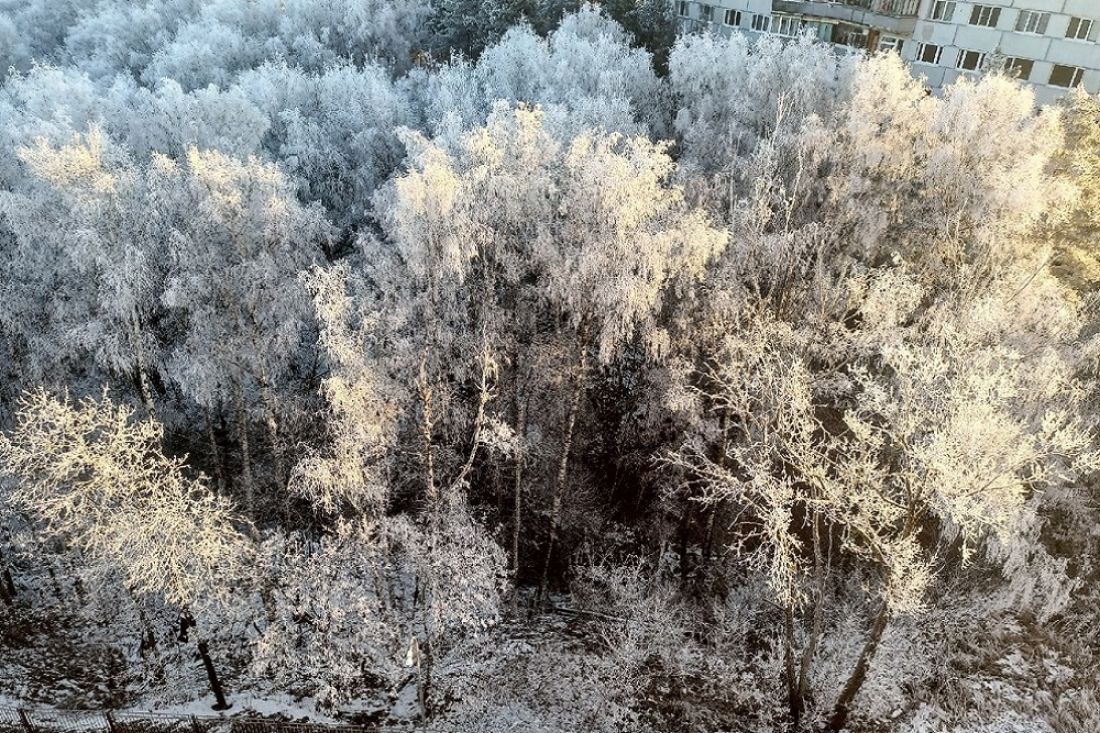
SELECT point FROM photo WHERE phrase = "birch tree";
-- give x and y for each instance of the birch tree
(402, 586)
(594, 243)
(104, 247)
(352, 472)
(938, 435)
(234, 277)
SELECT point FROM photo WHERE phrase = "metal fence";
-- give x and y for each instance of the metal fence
(22, 720)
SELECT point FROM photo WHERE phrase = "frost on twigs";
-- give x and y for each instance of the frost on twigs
(362, 405)
(98, 479)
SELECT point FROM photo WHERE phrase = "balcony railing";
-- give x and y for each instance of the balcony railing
(898, 17)
(896, 8)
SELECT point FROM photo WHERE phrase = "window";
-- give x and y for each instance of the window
(943, 10)
(1032, 22)
(890, 43)
(816, 29)
(733, 17)
(787, 25)
(969, 60)
(1067, 77)
(761, 23)
(706, 13)
(682, 8)
(929, 53)
(1079, 29)
(1019, 68)
(985, 15)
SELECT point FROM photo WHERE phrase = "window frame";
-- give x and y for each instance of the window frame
(761, 23)
(943, 10)
(736, 18)
(706, 12)
(1077, 75)
(1086, 23)
(788, 26)
(920, 53)
(891, 43)
(965, 54)
(985, 16)
(1034, 22)
(1017, 64)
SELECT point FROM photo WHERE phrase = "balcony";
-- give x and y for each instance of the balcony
(893, 16)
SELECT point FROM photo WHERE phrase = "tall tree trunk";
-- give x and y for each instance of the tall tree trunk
(147, 642)
(246, 456)
(426, 424)
(517, 507)
(708, 545)
(421, 694)
(425, 595)
(794, 702)
(488, 369)
(817, 626)
(272, 423)
(144, 384)
(7, 585)
(215, 452)
(685, 525)
(840, 711)
(563, 467)
(212, 676)
(58, 592)
(426, 689)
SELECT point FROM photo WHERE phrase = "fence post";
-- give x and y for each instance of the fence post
(111, 725)
(25, 721)
(195, 727)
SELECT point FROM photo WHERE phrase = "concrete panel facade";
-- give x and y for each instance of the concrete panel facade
(1032, 31)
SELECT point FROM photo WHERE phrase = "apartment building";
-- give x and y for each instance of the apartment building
(1054, 45)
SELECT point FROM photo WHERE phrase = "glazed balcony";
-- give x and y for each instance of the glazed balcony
(892, 16)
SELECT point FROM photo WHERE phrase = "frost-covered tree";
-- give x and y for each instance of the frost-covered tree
(1079, 161)
(584, 75)
(226, 38)
(57, 103)
(101, 255)
(114, 37)
(336, 130)
(356, 609)
(736, 98)
(99, 480)
(363, 407)
(37, 31)
(467, 28)
(329, 633)
(856, 155)
(168, 121)
(408, 584)
(884, 439)
(234, 278)
(931, 170)
(97, 476)
(573, 244)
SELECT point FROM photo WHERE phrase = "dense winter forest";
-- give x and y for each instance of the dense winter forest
(517, 366)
